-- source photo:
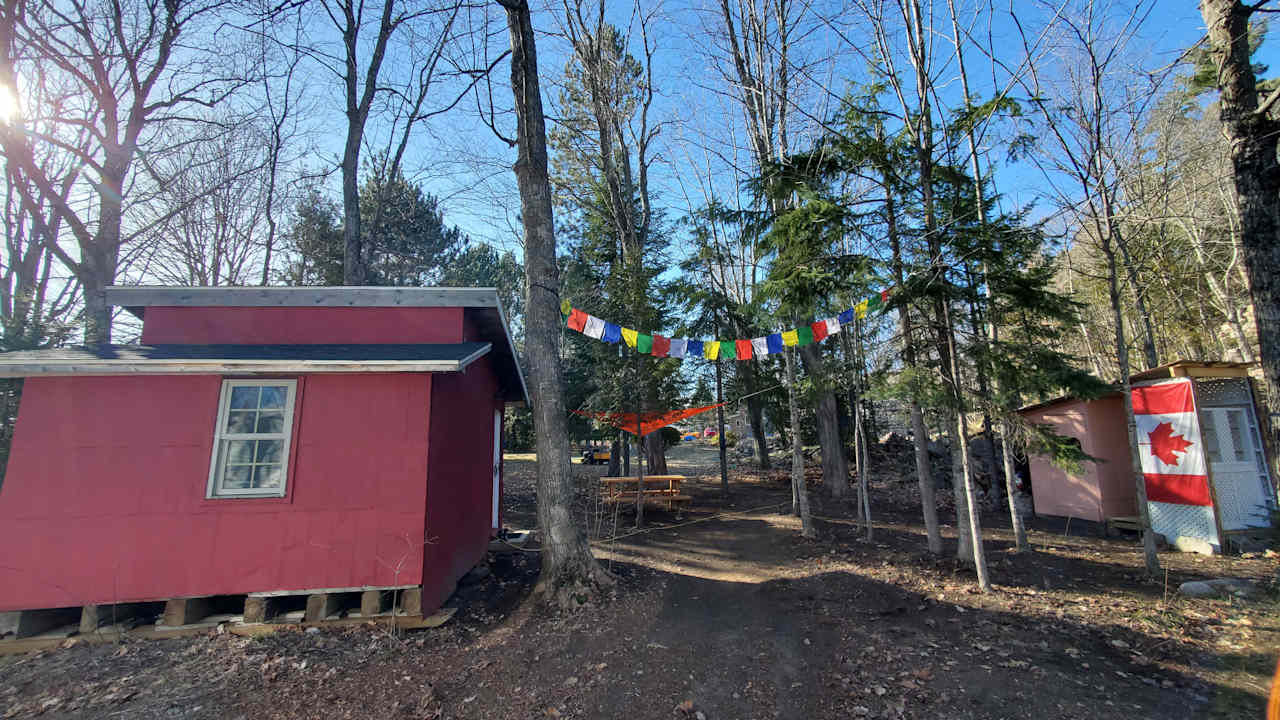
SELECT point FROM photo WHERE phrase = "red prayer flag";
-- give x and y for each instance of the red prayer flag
(884, 295)
(744, 349)
(577, 319)
(819, 330)
(649, 421)
(661, 346)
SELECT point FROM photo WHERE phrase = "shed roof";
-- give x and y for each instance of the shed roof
(1177, 368)
(249, 359)
(1195, 369)
(481, 305)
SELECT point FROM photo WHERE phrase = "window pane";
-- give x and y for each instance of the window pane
(270, 421)
(1209, 433)
(266, 476)
(239, 452)
(240, 421)
(269, 451)
(274, 396)
(244, 397)
(236, 477)
(1235, 422)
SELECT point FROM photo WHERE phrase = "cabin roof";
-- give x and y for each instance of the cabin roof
(481, 305)
(136, 299)
(171, 359)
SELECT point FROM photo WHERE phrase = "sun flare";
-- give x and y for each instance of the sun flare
(9, 109)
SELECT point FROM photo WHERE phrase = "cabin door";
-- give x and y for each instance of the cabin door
(1234, 450)
(497, 463)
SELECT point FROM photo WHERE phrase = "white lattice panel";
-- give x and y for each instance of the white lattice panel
(1191, 522)
(1223, 391)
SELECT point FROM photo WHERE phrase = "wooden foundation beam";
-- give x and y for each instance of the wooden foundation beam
(258, 609)
(373, 602)
(184, 611)
(411, 601)
(93, 617)
(322, 605)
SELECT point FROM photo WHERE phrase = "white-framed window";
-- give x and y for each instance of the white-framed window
(251, 442)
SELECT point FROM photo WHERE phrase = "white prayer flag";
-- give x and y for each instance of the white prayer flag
(760, 346)
(678, 348)
(594, 328)
(833, 325)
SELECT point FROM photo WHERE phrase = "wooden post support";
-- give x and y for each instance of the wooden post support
(90, 618)
(411, 601)
(258, 609)
(184, 611)
(372, 602)
(322, 605)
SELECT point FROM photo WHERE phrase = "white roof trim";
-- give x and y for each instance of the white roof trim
(134, 366)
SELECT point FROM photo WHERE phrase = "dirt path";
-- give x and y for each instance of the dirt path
(727, 612)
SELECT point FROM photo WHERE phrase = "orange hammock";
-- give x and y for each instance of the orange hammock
(649, 421)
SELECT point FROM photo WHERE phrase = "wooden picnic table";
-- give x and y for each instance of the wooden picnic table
(658, 488)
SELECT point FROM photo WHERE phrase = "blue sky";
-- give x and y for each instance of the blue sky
(460, 160)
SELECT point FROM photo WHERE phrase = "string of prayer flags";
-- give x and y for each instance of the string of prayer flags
(740, 349)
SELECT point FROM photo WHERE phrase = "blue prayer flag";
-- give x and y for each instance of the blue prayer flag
(694, 349)
(846, 317)
(774, 342)
(612, 333)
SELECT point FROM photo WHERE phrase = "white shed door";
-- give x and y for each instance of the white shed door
(1235, 457)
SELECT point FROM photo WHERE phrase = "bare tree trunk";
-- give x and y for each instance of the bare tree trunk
(799, 490)
(755, 414)
(1135, 461)
(569, 572)
(919, 433)
(835, 466)
(724, 452)
(1252, 134)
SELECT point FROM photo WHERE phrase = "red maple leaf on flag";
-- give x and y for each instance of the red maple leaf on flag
(1164, 443)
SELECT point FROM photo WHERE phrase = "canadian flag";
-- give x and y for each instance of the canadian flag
(1173, 462)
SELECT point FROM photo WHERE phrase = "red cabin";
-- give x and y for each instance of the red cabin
(264, 442)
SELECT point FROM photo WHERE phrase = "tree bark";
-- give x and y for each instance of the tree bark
(799, 490)
(919, 433)
(1252, 135)
(1150, 559)
(835, 466)
(569, 572)
(755, 413)
(724, 453)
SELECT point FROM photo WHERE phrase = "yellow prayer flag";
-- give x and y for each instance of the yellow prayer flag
(711, 349)
(629, 337)
(791, 338)
(860, 310)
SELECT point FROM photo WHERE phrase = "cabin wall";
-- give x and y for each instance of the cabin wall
(1054, 490)
(104, 499)
(301, 325)
(459, 498)
(1109, 441)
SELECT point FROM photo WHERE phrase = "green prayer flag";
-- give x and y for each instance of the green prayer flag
(644, 344)
(873, 302)
(806, 334)
(728, 349)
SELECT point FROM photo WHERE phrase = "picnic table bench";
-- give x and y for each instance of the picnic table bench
(657, 488)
